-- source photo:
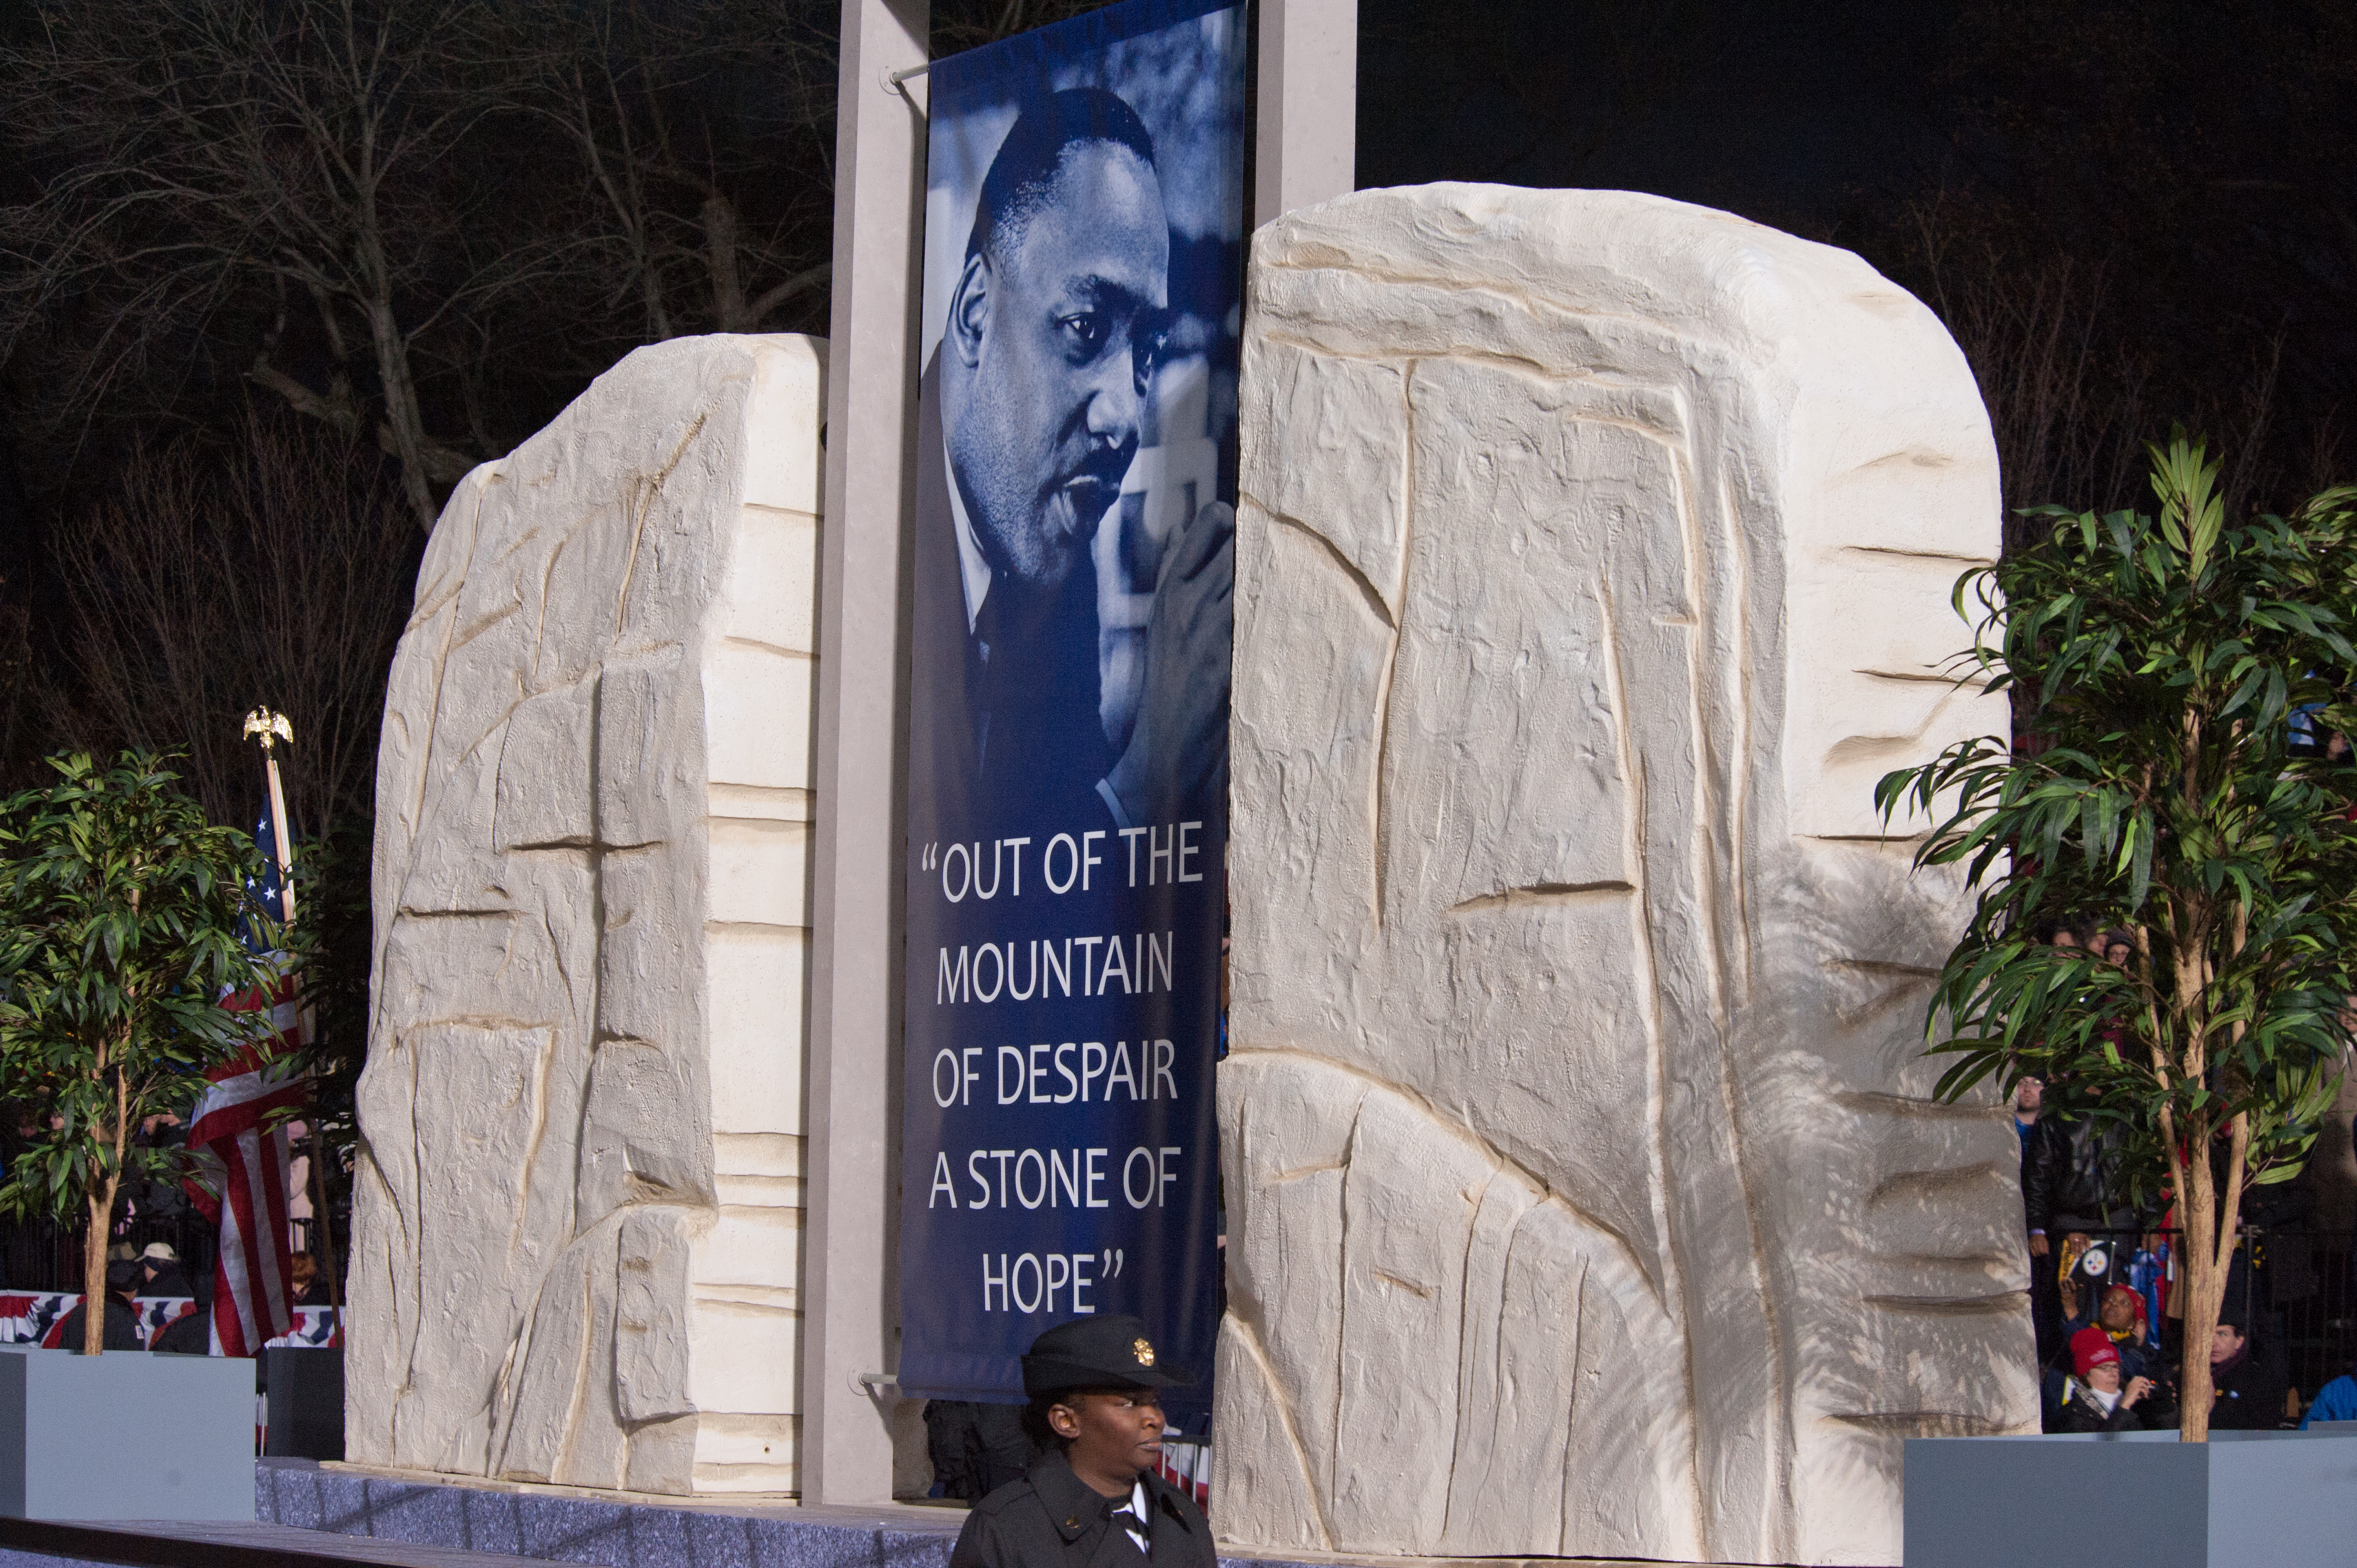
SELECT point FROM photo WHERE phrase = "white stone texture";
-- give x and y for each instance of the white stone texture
(1584, 1190)
(579, 1204)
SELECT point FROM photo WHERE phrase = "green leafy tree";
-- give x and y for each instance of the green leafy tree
(120, 915)
(2163, 660)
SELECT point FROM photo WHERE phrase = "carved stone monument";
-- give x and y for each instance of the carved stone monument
(579, 1202)
(1584, 1192)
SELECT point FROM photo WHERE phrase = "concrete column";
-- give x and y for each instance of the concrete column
(849, 1275)
(1306, 140)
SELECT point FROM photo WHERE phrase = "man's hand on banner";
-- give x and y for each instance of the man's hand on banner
(1179, 746)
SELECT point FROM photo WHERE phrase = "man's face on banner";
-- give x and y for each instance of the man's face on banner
(1054, 329)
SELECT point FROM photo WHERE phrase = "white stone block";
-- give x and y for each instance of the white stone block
(760, 872)
(757, 980)
(1583, 1195)
(773, 584)
(586, 1001)
(762, 702)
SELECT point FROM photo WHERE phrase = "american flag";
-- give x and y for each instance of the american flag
(244, 1162)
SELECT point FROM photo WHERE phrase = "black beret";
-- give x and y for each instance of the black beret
(1108, 1352)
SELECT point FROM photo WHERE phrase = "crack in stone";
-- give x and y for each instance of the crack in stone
(1546, 893)
(643, 493)
(1948, 1306)
(1931, 1186)
(1249, 1338)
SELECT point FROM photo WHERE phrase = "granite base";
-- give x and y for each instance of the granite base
(625, 1531)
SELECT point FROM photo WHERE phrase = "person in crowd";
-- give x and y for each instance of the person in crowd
(192, 1333)
(2064, 1174)
(1094, 1499)
(2045, 1300)
(2096, 1400)
(2119, 949)
(2120, 1315)
(2336, 1400)
(976, 1447)
(160, 1265)
(310, 1281)
(122, 1330)
(2067, 1184)
(2029, 1094)
(2246, 1392)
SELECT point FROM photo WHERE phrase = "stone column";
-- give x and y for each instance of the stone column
(1585, 1193)
(855, 1015)
(578, 1207)
(1306, 136)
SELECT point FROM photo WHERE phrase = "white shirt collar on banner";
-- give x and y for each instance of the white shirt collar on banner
(973, 569)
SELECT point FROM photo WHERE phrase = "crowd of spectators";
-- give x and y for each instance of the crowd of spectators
(2109, 1334)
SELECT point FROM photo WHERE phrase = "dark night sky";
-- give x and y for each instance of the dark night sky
(1771, 109)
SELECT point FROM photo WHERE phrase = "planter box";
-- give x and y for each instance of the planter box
(302, 1399)
(125, 1435)
(2149, 1501)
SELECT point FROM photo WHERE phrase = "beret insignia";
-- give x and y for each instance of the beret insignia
(1144, 1352)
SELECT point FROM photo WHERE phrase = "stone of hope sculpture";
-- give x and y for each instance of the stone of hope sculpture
(1585, 1195)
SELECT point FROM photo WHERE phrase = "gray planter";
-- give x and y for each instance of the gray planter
(125, 1435)
(2138, 1500)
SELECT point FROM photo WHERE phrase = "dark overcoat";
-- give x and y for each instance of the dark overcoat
(1052, 1519)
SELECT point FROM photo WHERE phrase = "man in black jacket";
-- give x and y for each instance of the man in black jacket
(2070, 1172)
(122, 1330)
(1094, 1499)
(2069, 1186)
(2247, 1393)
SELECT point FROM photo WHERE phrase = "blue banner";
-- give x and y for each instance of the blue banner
(1076, 472)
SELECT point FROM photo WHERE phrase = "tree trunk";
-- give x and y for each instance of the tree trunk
(401, 411)
(94, 1268)
(2203, 1293)
(728, 308)
(2207, 1228)
(101, 1201)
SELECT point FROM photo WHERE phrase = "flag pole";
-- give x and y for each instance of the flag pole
(267, 726)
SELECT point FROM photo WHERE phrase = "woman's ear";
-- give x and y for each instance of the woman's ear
(1064, 1420)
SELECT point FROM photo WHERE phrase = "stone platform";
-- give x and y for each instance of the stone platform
(186, 1544)
(622, 1530)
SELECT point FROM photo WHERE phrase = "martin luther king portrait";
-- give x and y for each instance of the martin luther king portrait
(1031, 412)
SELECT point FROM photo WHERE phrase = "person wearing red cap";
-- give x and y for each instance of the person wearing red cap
(2093, 1401)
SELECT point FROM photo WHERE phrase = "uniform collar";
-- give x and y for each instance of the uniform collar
(1074, 1505)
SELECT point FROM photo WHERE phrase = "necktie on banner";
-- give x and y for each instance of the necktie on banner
(243, 1183)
